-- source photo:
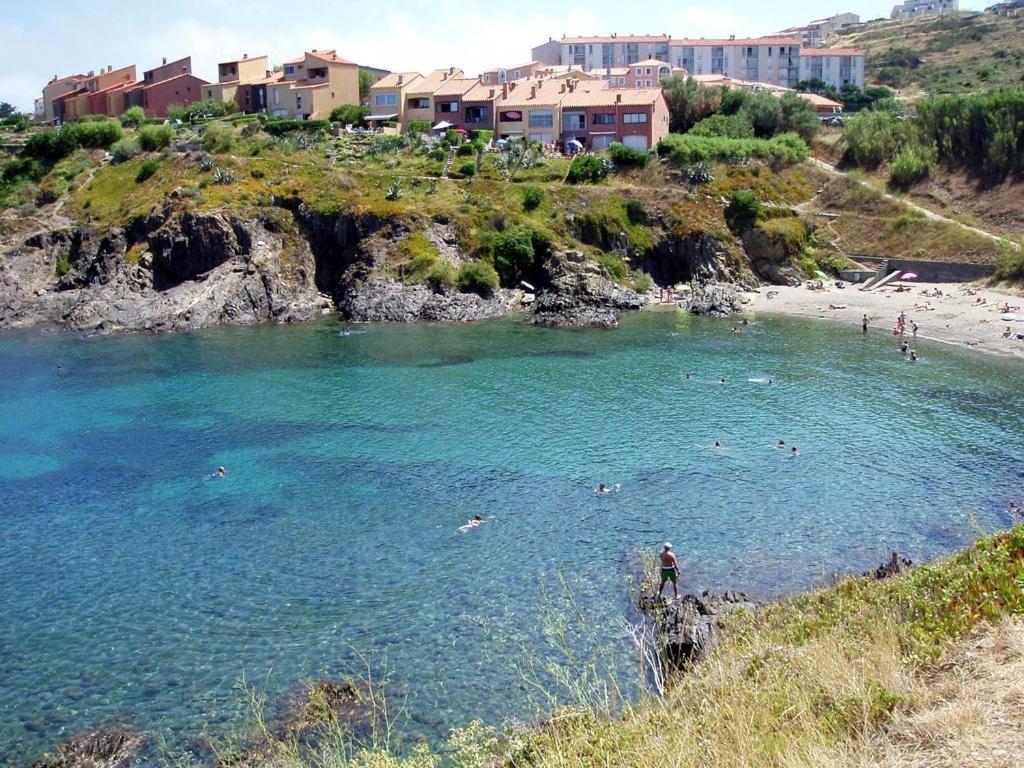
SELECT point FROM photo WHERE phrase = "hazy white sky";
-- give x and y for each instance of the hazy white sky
(59, 37)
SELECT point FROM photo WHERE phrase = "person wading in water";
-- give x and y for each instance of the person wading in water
(669, 569)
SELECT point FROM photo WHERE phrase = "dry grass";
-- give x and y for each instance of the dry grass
(957, 53)
(971, 711)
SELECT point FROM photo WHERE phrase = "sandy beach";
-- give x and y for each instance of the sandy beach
(955, 317)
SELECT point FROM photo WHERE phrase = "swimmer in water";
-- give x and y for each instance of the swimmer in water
(475, 522)
(794, 453)
(718, 446)
(781, 444)
(689, 375)
(721, 381)
(221, 472)
(913, 356)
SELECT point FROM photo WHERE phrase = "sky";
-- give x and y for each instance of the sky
(61, 37)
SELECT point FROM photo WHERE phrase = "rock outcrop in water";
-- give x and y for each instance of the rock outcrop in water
(111, 746)
(577, 294)
(691, 628)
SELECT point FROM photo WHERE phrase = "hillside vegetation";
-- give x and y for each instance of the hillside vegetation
(847, 676)
(956, 53)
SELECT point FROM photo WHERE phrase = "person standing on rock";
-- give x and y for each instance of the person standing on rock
(864, 324)
(669, 569)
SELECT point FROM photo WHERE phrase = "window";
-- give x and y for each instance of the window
(517, 75)
(647, 70)
(385, 100)
(277, 96)
(448, 107)
(419, 103)
(622, 81)
(543, 138)
(632, 53)
(604, 118)
(574, 121)
(298, 102)
(487, 79)
(478, 114)
(634, 118)
(209, 94)
(639, 71)
(511, 116)
(289, 69)
(607, 55)
(542, 118)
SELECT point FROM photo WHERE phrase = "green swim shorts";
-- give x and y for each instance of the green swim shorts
(668, 574)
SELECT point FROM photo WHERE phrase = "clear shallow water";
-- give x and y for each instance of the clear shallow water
(132, 585)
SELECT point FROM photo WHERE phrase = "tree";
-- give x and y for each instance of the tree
(819, 86)
(366, 79)
(733, 100)
(350, 114)
(798, 116)
(689, 102)
(7, 110)
(764, 113)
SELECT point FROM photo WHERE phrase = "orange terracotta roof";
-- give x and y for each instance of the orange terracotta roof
(627, 97)
(689, 41)
(172, 79)
(815, 98)
(616, 39)
(391, 81)
(455, 86)
(482, 92)
(651, 63)
(433, 81)
(240, 60)
(831, 52)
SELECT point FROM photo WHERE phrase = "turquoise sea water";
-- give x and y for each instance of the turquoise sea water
(133, 586)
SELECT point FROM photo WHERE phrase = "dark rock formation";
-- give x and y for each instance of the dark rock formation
(692, 627)
(577, 294)
(894, 566)
(771, 258)
(110, 746)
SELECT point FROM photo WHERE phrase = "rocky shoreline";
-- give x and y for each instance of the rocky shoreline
(175, 270)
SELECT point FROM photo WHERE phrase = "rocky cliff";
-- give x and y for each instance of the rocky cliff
(179, 270)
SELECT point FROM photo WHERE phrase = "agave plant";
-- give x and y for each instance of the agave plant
(223, 176)
(431, 187)
(206, 164)
(394, 191)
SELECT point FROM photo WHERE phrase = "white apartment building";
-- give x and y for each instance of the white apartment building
(836, 66)
(776, 59)
(911, 8)
(818, 32)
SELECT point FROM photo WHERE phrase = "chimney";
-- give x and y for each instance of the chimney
(493, 92)
(400, 78)
(533, 91)
(732, 37)
(245, 56)
(562, 89)
(165, 59)
(618, 98)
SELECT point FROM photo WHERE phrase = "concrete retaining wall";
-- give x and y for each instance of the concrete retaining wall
(932, 271)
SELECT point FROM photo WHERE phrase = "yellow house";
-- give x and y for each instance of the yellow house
(388, 96)
(232, 75)
(312, 85)
(419, 98)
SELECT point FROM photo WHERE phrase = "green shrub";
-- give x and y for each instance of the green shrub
(587, 168)
(199, 109)
(146, 170)
(910, 165)
(533, 196)
(477, 277)
(872, 138)
(125, 149)
(437, 154)
(218, 139)
(283, 127)
(419, 255)
(642, 283)
(687, 149)
(353, 114)
(483, 136)
(743, 210)
(63, 265)
(613, 266)
(416, 126)
(133, 117)
(1010, 265)
(92, 118)
(442, 275)
(153, 138)
(468, 168)
(465, 150)
(624, 156)
(728, 126)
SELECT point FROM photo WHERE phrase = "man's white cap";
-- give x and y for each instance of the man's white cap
(668, 545)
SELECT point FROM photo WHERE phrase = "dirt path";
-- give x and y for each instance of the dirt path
(914, 206)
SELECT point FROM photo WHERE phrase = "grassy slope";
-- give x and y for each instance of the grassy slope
(815, 680)
(958, 53)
